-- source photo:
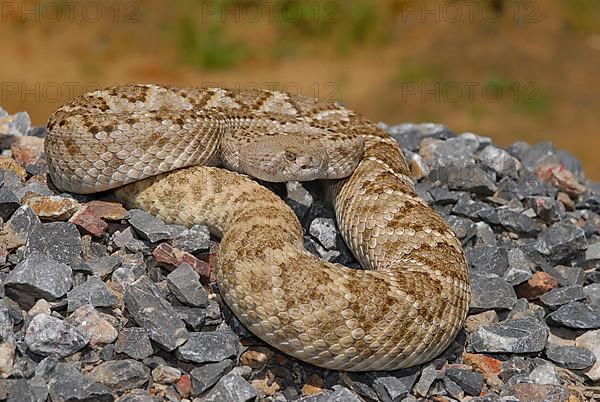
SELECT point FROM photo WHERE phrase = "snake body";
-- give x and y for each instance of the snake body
(403, 309)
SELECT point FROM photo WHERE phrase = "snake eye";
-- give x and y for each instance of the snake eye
(290, 156)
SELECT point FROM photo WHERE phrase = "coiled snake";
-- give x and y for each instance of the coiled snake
(403, 309)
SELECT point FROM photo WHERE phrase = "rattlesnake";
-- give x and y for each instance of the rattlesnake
(403, 309)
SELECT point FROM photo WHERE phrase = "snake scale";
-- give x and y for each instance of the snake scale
(163, 148)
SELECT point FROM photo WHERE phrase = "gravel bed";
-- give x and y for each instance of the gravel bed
(99, 303)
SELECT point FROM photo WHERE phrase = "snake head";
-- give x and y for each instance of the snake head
(283, 158)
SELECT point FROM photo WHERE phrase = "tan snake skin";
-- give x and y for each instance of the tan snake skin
(403, 309)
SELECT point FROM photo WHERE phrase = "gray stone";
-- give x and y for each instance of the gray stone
(104, 266)
(7, 343)
(489, 291)
(470, 208)
(94, 292)
(545, 374)
(164, 374)
(49, 335)
(511, 336)
(561, 242)
(456, 152)
(184, 284)
(535, 154)
(23, 221)
(508, 190)
(192, 316)
(409, 135)
(67, 384)
(9, 203)
(593, 252)
(480, 140)
(395, 385)
(443, 196)
(471, 382)
(121, 278)
(590, 340)
(515, 368)
(576, 315)
(524, 309)
(39, 132)
(488, 260)
(38, 276)
(231, 388)
(135, 262)
(548, 209)
(517, 222)
(208, 347)
(243, 371)
(571, 357)
(127, 239)
(361, 384)
(566, 276)
(590, 200)
(592, 276)
(526, 391)
(298, 198)
(324, 230)
(530, 185)
(14, 310)
(96, 324)
(20, 391)
(39, 388)
(517, 149)
(316, 249)
(519, 267)
(464, 228)
(60, 240)
(571, 163)
(423, 188)
(152, 228)
(150, 310)
(213, 313)
(485, 234)
(453, 389)
(33, 187)
(12, 180)
(471, 178)
(206, 376)
(134, 342)
(592, 293)
(20, 123)
(192, 240)
(428, 375)
(138, 395)
(339, 394)
(120, 375)
(500, 161)
(559, 296)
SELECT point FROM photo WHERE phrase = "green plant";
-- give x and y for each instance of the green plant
(209, 47)
(417, 73)
(345, 24)
(525, 97)
(582, 15)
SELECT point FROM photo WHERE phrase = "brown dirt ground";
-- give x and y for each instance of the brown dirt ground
(549, 61)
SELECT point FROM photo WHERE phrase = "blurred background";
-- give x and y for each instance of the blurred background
(511, 70)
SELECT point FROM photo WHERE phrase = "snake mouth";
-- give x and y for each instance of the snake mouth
(282, 176)
(286, 166)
